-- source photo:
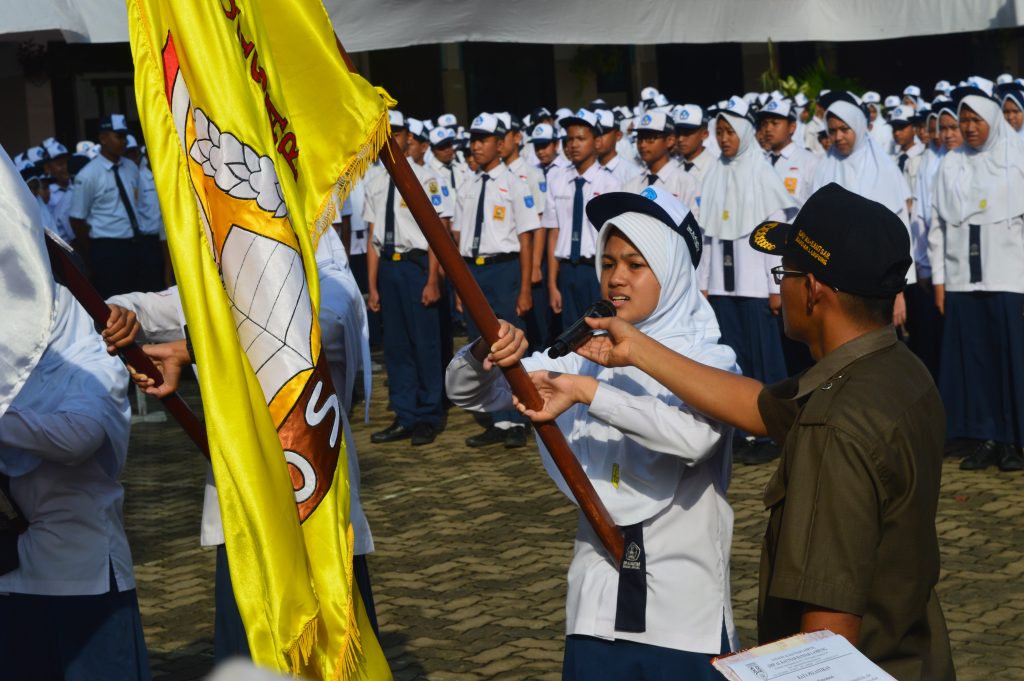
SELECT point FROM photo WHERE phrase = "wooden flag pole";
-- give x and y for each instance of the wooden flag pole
(474, 302)
(86, 294)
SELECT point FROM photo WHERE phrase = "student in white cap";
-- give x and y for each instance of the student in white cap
(800, 103)
(655, 141)
(572, 287)
(607, 142)
(911, 94)
(442, 144)
(659, 468)
(56, 166)
(122, 251)
(494, 221)
(691, 125)
(792, 163)
(976, 244)
(540, 321)
(878, 126)
(404, 280)
(741, 191)
(909, 149)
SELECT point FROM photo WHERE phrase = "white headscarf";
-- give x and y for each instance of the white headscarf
(75, 374)
(867, 170)
(741, 192)
(26, 286)
(683, 321)
(985, 185)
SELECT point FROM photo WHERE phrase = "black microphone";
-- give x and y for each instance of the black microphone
(575, 335)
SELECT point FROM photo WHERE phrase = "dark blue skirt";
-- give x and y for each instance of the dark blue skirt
(589, 659)
(75, 638)
(981, 374)
(752, 331)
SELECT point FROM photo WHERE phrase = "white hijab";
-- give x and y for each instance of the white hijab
(985, 185)
(741, 192)
(867, 170)
(683, 321)
(26, 286)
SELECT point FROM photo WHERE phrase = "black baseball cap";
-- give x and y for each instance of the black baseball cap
(849, 242)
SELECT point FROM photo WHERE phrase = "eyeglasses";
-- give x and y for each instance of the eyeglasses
(781, 273)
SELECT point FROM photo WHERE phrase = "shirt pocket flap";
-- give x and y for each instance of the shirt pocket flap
(775, 490)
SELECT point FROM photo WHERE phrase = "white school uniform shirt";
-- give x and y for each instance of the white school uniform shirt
(558, 215)
(354, 206)
(912, 166)
(408, 236)
(453, 174)
(60, 207)
(1002, 255)
(811, 130)
(162, 319)
(672, 177)
(691, 537)
(509, 211)
(699, 166)
(151, 220)
(534, 179)
(64, 460)
(795, 168)
(623, 169)
(752, 277)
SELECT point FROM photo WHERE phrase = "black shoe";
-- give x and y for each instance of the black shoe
(984, 455)
(492, 436)
(515, 437)
(423, 434)
(1012, 459)
(392, 433)
(960, 447)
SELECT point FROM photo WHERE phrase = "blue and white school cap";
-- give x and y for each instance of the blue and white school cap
(487, 124)
(441, 135)
(871, 97)
(912, 91)
(54, 148)
(416, 129)
(447, 120)
(776, 108)
(115, 122)
(35, 154)
(689, 117)
(899, 117)
(649, 92)
(801, 100)
(892, 101)
(132, 143)
(542, 134)
(396, 119)
(737, 107)
(605, 120)
(1003, 78)
(655, 121)
(944, 87)
(581, 117)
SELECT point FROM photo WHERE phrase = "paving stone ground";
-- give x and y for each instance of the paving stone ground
(472, 548)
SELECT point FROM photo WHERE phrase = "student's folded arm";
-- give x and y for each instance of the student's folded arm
(657, 425)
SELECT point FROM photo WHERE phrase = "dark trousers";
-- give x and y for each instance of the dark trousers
(73, 638)
(751, 330)
(540, 320)
(579, 287)
(412, 343)
(126, 265)
(924, 326)
(229, 633)
(500, 283)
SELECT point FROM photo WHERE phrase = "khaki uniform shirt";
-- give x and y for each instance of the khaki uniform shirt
(853, 501)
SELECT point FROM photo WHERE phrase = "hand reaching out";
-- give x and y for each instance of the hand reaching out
(614, 349)
(559, 392)
(169, 359)
(121, 330)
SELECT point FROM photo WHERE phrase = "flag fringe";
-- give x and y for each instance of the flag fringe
(352, 647)
(375, 140)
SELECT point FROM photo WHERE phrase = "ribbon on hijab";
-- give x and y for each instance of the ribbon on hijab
(741, 192)
(983, 185)
(867, 170)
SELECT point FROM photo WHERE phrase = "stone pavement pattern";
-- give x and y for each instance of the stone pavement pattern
(472, 548)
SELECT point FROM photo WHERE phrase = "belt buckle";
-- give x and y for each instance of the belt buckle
(480, 260)
(396, 257)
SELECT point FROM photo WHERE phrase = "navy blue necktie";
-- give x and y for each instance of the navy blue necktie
(577, 221)
(652, 178)
(479, 226)
(389, 223)
(127, 204)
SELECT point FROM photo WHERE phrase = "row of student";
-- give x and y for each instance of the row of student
(102, 199)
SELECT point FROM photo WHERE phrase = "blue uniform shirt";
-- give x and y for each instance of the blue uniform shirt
(95, 199)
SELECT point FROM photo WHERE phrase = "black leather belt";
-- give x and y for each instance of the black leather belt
(581, 261)
(415, 254)
(491, 259)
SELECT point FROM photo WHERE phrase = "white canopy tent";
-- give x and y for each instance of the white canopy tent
(378, 24)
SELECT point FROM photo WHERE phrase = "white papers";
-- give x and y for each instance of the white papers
(815, 656)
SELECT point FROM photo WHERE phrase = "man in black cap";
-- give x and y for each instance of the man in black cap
(851, 543)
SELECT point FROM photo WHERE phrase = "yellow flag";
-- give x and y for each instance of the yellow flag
(254, 125)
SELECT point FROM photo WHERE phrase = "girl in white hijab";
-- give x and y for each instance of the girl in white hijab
(741, 191)
(976, 248)
(660, 469)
